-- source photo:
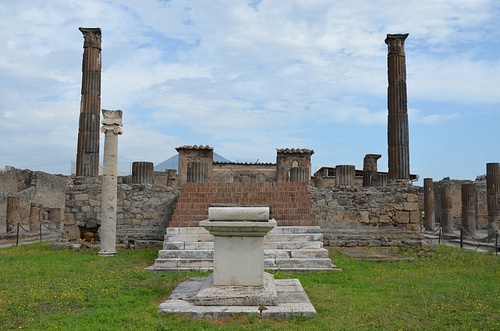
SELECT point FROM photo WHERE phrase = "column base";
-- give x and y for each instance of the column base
(103, 253)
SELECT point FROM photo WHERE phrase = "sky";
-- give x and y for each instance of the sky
(250, 76)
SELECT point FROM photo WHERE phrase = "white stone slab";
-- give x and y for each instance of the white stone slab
(256, 214)
(292, 301)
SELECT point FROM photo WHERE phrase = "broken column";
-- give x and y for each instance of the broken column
(34, 216)
(87, 157)
(345, 175)
(197, 172)
(142, 173)
(429, 205)
(112, 122)
(468, 209)
(446, 205)
(370, 170)
(493, 195)
(397, 122)
(299, 174)
(13, 213)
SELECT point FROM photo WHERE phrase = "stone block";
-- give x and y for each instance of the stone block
(402, 217)
(81, 197)
(410, 206)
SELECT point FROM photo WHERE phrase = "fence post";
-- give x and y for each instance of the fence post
(462, 237)
(496, 243)
(440, 232)
(17, 235)
(40, 231)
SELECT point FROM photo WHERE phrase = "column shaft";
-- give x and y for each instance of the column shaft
(345, 175)
(111, 129)
(397, 122)
(446, 205)
(87, 157)
(468, 209)
(429, 205)
(493, 195)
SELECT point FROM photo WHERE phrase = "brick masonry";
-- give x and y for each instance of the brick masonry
(290, 202)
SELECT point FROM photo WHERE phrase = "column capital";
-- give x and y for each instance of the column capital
(396, 43)
(92, 37)
(112, 120)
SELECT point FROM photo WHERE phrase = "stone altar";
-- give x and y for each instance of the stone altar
(239, 283)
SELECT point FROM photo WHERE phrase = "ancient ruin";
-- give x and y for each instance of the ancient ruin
(337, 206)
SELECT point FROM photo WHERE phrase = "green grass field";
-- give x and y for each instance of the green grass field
(43, 288)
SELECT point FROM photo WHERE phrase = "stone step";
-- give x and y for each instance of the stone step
(296, 253)
(186, 254)
(163, 264)
(295, 229)
(293, 245)
(293, 237)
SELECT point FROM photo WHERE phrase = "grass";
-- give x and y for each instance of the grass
(42, 288)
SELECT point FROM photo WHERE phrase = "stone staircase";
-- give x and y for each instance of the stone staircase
(286, 248)
(295, 245)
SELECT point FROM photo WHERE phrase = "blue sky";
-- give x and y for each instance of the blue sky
(247, 77)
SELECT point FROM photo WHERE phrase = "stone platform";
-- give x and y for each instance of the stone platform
(292, 301)
(286, 248)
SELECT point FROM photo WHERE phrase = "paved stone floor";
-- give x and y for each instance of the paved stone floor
(292, 301)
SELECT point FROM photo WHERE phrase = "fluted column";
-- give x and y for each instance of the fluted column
(142, 173)
(87, 157)
(446, 205)
(429, 205)
(197, 172)
(493, 195)
(345, 175)
(397, 123)
(468, 209)
(112, 122)
(370, 170)
(299, 174)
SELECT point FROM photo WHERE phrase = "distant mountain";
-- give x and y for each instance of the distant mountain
(173, 162)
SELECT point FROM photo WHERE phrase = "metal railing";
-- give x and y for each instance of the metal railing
(20, 227)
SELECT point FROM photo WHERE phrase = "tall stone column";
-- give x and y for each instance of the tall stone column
(446, 205)
(397, 123)
(493, 195)
(112, 122)
(429, 205)
(87, 157)
(468, 209)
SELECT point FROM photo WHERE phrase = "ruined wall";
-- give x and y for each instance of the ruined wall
(357, 216)
(32, 187)
(143, 211)
(243, 173)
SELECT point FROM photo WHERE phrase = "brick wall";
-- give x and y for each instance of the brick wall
(290, 202)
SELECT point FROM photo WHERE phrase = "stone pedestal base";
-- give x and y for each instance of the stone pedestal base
(210, 295)
(292, 301)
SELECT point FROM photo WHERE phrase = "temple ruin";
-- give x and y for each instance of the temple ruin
(338, 205)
